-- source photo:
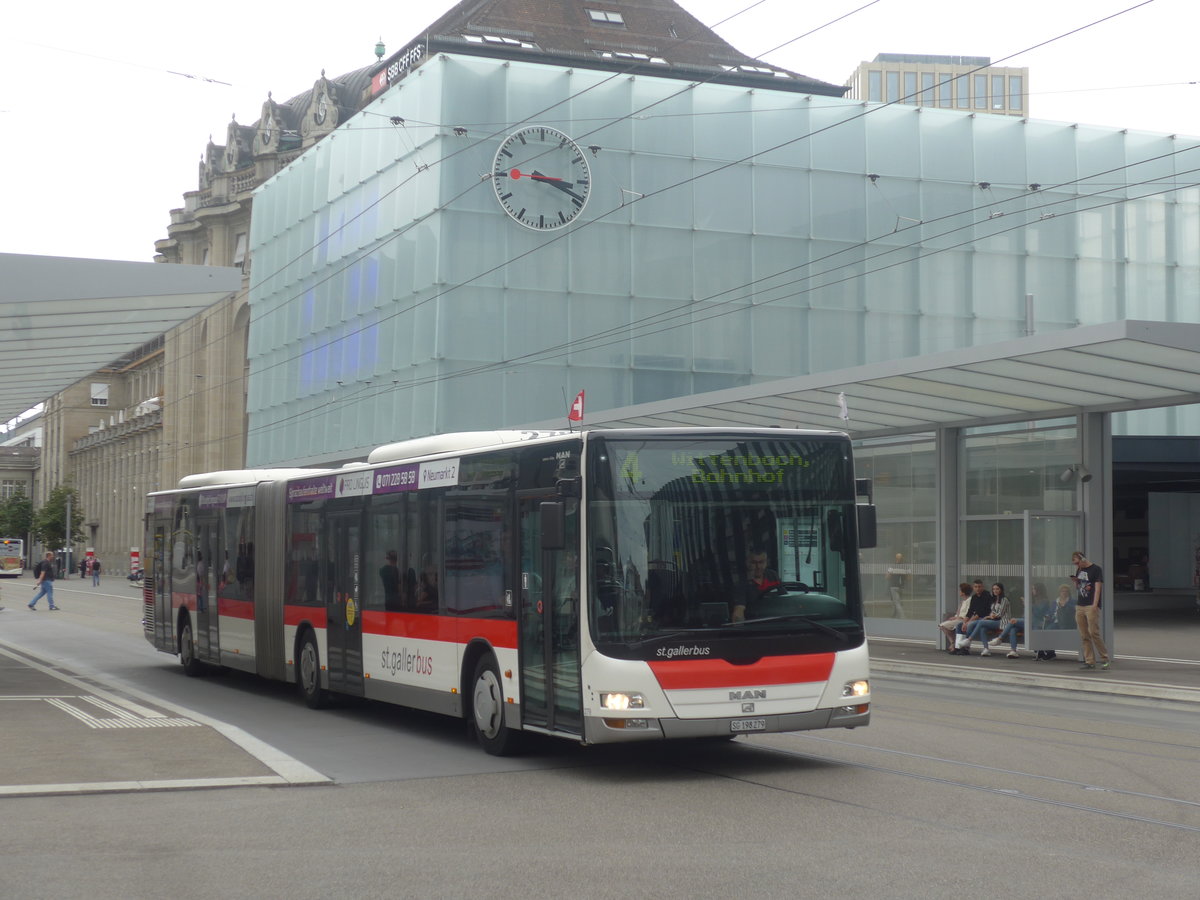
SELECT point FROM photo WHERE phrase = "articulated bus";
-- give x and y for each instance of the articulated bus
(592, 585)
(12, 557)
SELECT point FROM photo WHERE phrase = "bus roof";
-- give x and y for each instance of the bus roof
(242, 476)
(454, 442)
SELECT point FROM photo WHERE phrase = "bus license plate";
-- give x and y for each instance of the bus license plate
(748, 725)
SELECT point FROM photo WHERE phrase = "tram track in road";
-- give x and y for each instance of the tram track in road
(956, 783)
(1052, 779)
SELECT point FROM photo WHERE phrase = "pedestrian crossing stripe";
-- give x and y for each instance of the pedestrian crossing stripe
(120, 718)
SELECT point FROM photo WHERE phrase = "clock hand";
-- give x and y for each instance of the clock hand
(565, 187)
(536, 176)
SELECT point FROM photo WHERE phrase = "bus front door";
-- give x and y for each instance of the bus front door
(549, 626)
(341, 584)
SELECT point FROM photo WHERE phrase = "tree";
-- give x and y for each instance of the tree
(16, 516)
(50, 522)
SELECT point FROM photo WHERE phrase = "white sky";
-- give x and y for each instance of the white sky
(99, 141)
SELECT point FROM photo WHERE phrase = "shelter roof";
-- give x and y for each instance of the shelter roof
(1111, 367)
(65, 318)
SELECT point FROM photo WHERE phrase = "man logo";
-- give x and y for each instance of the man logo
(747, 707)
(748, 695)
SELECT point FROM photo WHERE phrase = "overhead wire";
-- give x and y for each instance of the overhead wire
(691, 85)
(503, 129)
(719, 167)
(660, 325)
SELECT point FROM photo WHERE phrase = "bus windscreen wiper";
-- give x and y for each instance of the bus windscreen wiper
(679, 634)
(794, 617)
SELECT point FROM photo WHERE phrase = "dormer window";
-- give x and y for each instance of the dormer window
(499, 39)
(637, 57)
(603, 17)
(756, 70)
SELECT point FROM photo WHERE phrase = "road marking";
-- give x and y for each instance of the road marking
(122, 719)
(287, 769)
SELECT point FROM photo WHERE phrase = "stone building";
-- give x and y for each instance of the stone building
(176, 405)
(204, 363)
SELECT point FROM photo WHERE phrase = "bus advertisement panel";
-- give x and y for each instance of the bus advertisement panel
(601, 586)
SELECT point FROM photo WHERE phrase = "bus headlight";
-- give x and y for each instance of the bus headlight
(619, 700)
(860, 688)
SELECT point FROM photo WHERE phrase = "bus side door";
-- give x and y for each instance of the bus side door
(341, 584)
(548, 616)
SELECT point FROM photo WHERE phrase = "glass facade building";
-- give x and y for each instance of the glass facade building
(732, 237)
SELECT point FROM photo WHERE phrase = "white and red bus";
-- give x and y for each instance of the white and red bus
(591, 585)
(12, 557)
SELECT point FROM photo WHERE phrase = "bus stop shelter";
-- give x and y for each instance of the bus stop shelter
(1084, 373)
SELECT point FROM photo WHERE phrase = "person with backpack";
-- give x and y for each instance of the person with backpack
(44, 573)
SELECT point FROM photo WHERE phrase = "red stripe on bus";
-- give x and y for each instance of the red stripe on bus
(235, 609)
(497, 632)
(413, 625)
(680, 674)
(294, 615)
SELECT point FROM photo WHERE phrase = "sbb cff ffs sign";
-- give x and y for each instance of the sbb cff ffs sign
(397, 66)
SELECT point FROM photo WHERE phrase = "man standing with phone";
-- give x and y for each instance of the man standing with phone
(1089, 581)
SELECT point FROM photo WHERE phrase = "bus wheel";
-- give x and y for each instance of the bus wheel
(308, 674)
(187, 650)
(487, 708)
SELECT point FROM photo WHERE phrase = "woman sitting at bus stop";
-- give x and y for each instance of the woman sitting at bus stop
(988, 626)
(950, 627)
(1012, 631)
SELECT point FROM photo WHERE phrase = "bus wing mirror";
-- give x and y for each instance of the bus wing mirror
(554, 525)
(866, 525)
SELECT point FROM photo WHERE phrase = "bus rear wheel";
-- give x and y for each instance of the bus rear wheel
(487, 709)
(187, 650)
(308, 674)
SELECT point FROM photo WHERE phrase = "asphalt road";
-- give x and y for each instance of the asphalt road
(955, 787)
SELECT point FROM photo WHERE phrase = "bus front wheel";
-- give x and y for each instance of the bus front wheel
(487, 709)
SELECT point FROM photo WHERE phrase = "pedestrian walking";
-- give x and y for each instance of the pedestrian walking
(44, 573)
(1089, 582)
(95, 572)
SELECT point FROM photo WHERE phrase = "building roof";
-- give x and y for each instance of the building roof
(655, 36)
(67, 318)
(1113, 367)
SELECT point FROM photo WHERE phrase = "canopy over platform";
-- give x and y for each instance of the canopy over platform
(62, 319)
(1112, 367)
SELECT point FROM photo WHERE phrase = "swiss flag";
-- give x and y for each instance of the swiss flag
(576, 413)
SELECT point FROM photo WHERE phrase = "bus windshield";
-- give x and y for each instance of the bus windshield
(699, 539)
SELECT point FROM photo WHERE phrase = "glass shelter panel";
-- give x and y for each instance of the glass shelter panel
(899, 573)
(994, 550)
(1050, 619)
(1011, 468)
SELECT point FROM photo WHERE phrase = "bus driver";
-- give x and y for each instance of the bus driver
(760, 579)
